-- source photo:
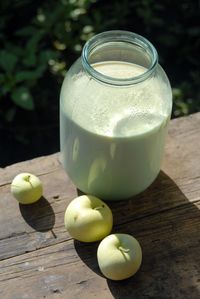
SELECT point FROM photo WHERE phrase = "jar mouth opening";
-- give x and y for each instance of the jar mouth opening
(119, 46)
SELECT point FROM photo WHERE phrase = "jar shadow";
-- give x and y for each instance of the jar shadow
(165, 223)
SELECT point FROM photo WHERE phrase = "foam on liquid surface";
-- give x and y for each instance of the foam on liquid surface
(117, 111)
(120, 70)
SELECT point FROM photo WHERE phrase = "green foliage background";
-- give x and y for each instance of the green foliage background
(41, 39)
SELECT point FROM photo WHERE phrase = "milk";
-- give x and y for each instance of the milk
(112, 138)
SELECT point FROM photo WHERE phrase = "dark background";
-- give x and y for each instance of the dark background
(39, 40)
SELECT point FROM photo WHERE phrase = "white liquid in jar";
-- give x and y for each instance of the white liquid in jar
(112, 138)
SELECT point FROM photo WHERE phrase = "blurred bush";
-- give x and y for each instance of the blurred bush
(41, 39)
(39, 42)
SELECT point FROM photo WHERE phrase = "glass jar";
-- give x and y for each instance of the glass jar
(115, 105)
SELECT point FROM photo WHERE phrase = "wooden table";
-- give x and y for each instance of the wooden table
(38, 258)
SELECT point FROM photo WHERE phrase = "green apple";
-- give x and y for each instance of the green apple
(26, 188)
(119, 256)
(88, 218)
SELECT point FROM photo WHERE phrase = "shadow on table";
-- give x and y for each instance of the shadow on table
(163, 220)
(88, 254)
(169, 239)
(39, 215)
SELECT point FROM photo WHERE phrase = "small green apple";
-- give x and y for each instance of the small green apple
(26, 188)
(88, 218)
(119, 256)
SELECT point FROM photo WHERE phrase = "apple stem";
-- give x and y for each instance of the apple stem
(99, 208)
(27, 178)
(123, 249)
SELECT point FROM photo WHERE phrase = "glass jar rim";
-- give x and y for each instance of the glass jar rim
(118, 36)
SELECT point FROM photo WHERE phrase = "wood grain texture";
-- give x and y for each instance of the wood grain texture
(38, 258)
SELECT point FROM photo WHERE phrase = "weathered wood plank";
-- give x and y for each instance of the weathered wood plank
(170, 267)
(38, 258)
(39, 165)
(27, 228)
(182, 149)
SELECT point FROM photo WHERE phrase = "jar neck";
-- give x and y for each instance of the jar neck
(119, 46)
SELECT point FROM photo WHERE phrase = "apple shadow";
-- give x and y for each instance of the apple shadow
(88, 254)
(161, 218)
(39, 215)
